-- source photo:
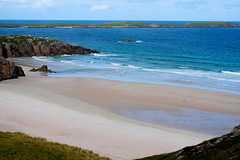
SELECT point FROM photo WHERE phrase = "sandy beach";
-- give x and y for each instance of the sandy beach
(82, 112)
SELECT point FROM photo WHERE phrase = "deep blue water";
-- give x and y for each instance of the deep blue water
(206, 58)
(98, 21)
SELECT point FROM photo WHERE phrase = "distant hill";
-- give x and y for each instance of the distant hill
(226, 147)
(123, 25)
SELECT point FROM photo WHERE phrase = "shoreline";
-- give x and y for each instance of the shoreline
(80, 112)
(176, 83)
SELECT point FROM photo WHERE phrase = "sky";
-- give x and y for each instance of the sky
(161, 10)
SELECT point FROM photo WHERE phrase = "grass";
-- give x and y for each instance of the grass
(18, 39)
(212, 24)
(17, 146)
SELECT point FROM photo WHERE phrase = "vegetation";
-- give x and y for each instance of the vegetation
(20, 146)
(18, 39)
(212, 24)
(123, 25)
(220, 148)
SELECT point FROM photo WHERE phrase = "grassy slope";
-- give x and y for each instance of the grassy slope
(21, 146)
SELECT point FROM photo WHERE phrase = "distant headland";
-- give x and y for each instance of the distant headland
(124, 25)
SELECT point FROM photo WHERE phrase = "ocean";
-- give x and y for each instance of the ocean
(204, 58)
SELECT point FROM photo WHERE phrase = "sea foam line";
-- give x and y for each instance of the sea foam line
(42, 58)
(228, 72)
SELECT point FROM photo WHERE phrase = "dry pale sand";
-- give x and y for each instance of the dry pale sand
(80, 112)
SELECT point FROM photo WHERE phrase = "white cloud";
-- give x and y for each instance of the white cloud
(42, 4)
(99, 7)
(33, 4)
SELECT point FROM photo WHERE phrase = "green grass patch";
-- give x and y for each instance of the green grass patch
(212, 24)
(17, 146)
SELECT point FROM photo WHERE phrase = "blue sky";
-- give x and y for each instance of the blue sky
(185, 10)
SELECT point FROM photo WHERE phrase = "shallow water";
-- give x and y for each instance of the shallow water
(187, 119)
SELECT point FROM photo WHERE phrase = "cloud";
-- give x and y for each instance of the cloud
(33, 4)
(190, 4)
(99, 7)
(42, 4)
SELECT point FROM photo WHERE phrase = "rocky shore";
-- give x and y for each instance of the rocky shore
(8, 70)
(28, 46)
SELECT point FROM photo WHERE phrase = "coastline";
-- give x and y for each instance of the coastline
(124, 24)
(82, 112)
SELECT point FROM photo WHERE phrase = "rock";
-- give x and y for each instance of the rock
(128, 41)
(44, 68)
(8, 70)
(28, 46)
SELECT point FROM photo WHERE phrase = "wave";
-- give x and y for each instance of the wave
(116, 64)
(150, 70)
(228, 72)
(131, 42)
(69, 62)
(103, 55)
(66, 55)
(42, 58)
(131, 66)
(183, 67)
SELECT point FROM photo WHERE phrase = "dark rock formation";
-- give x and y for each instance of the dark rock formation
(224, 147)
(27, 46)
(44, 68)
(128, 41)
(8, 70)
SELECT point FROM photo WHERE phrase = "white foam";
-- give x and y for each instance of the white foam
(131, 66)
(69, 62)
(91, 62)
(183, 67)
(42, 58)
(228, 72)
(66, 55)
(138, 41)
(150, 70)
(99, 55)
(115, 64)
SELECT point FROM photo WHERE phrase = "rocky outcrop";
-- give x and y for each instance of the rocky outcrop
(128, 41)
(224, 147)
(44, 68)
(27, 46)
(8, 70)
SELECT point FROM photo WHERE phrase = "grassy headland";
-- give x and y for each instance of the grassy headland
(21, 146)
(123, 25)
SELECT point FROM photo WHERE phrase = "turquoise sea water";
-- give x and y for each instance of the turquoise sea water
(206, 58)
